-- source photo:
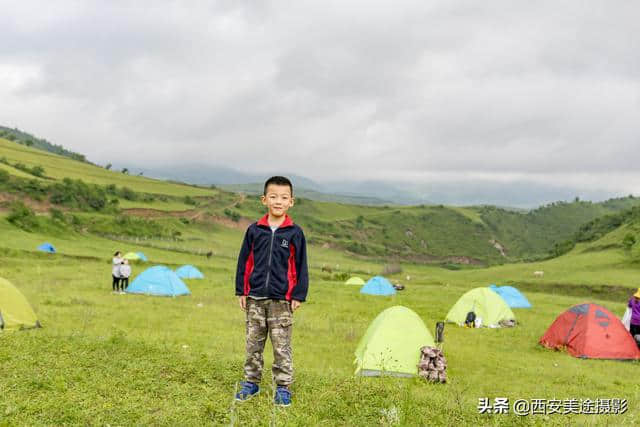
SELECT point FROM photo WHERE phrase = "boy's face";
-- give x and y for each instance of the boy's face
(278, 199)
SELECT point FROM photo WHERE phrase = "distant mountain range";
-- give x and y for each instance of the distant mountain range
(517, 194)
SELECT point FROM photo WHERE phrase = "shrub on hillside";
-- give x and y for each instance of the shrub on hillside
(357, 248)
(562, 247)
(635, 252)
(628, 241)
(22, 216)
(78, 194)
(235, 216)
(188, 200)
(128, 194)
(57, 215)
(4, 176)
(341, 277)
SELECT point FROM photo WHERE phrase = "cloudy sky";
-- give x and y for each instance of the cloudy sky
(415, 91)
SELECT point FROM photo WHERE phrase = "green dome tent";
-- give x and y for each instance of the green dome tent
(15, 311)
(485, 303)
(391, 345)
(355, 281)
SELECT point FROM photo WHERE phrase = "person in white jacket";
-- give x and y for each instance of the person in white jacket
(125, 272)
(115, 271)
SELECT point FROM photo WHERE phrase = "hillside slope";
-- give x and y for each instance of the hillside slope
(425, 233)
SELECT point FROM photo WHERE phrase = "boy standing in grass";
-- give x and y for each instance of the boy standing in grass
(271, 283)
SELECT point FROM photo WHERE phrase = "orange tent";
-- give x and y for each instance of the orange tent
(590, 331)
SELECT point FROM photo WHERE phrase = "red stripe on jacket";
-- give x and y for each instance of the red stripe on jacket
(292, 274)
(248, 269)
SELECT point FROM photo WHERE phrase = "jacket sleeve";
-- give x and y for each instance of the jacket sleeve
(245, 251)
(300, 290)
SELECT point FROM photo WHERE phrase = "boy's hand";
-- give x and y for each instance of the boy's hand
(243, 302)
(295, 304)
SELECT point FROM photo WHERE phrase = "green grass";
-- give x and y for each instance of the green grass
(122, 359)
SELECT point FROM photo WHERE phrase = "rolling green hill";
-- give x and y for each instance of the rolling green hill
(426, 233)
(24, 138)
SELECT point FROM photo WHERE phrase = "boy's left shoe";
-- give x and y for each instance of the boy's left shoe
(282, 397)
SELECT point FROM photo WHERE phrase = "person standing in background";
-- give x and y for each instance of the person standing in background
(115, 270)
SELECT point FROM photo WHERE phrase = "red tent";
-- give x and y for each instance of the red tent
(590, 331)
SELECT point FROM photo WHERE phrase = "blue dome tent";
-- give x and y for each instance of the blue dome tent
(47, 247)
(511, 296)
(142, 256)
(158, 280)
(378, 285)
(189, 272)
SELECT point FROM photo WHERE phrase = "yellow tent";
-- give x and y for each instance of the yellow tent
(15, 310)
(355, 281)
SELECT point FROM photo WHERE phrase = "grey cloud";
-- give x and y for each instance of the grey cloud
(358, 89)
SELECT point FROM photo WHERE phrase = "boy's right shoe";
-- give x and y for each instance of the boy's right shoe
(247, 391)
(282, 397)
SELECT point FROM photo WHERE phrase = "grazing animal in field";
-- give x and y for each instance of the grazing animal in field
(326, 268)
(538, 273)
(209, 254)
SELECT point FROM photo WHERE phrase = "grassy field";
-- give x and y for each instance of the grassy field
(120, 359)
(109, 359)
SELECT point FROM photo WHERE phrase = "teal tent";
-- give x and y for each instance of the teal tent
(158, 280)
(47, 247)
(512, 296)
(189, 272)
(378, 285)
(142, 256)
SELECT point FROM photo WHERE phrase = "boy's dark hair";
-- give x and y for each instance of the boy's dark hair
(277, 180)
(117, 252)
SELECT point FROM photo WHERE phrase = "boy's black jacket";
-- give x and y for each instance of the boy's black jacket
(273, 264)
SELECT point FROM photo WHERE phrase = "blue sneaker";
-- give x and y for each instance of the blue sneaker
(282, 397)
(247, 391)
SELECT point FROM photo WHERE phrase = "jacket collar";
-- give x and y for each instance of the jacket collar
(288, 222)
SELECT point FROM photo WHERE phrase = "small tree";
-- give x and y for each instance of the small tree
(125, 171)
(37, 171)
(108, 166)
(628, 241)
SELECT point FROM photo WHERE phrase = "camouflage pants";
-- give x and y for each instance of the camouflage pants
(271, 317)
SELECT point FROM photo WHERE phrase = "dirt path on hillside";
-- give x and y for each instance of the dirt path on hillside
(38, 206)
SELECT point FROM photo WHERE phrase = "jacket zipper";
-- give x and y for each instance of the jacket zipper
(273, 234)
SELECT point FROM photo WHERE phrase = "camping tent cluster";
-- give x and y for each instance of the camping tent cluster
(162, 281)
(392, 342)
